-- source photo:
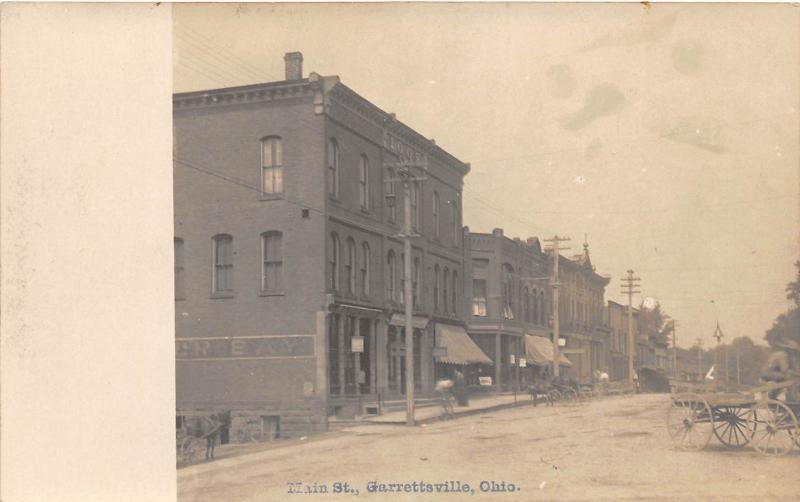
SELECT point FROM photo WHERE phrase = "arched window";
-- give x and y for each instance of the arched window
(508, 291)
(350, 265)
(415, 204)
(402, 278)
(415, 283)
(523, 305)
(180, 294)
(391, 283)
(436, 288)
(271, 165)
(365, 266)
(446, 288)
(363, 182)
(271, 261)
(391, 199)
(455, 292)
(534, 302)
(435, 214)
(333, 168)
(542, 309)
(334, 261)
(222, 277)
(454, 222)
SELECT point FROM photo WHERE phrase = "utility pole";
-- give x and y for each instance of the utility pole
(629, 285)
(718, 335)
(674, 348)
(556, 250)
(404, 171)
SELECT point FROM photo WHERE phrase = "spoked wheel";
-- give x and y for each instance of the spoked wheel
(189, 449)
(554, 396)
(773, 426)
(731, 426)
(570, 394)
(690, 422)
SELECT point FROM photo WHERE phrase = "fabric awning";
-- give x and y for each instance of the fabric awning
(460, 347)
(400, 320)
(539, 351)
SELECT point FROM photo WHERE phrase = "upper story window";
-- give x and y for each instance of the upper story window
(333, 253)
(533, 307)
(271, 165)
(402, 294)
(446, 282)
(363, 182)
(523, 306)
(391, 283)
(391, 197)
(350, 265)
(455, 292)
(222, 276)
(365, 265)
(435, 214)
(436, 288)
(479, 297)
(333, 168)
(542, 309)
(508, 291)
(179, 279)
(271, 261)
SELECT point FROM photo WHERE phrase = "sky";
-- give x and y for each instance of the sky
(667, 137)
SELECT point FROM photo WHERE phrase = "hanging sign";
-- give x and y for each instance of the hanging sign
(357, 344)
(522, 362)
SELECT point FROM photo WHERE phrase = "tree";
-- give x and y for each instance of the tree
(788, 323)
(654, 323)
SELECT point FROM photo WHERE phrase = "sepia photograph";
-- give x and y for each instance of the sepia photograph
(521, 252)
(420, 251)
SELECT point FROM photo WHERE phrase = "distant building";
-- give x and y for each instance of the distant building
(288, 265)
(617, 322)
(510, 299)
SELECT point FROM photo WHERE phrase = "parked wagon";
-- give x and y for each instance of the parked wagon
(736, 419)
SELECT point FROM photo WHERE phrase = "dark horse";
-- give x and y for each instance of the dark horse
(209, 427)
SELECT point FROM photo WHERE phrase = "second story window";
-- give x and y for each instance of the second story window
(350, 265)
(415, 283)
(271, 165)
(222, 277)
(363, 182)
(446, 281)
(415, 205)
(365, 266)
(455, 293)
(435, 214)
(479, 297)
(391, 198)
(508, 291)
(454, 221)
(271, 261)
(391, 282)
(179, 286)
(436, 288)
(334, 262)
(333, 168)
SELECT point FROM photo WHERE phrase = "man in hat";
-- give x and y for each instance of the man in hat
(781, 364)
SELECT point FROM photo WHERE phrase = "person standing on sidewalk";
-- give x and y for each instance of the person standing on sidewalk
(460, 389)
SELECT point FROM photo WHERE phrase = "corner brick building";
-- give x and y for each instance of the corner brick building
(288, 268)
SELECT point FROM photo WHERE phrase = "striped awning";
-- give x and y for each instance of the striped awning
(460, 347)
(539, 351)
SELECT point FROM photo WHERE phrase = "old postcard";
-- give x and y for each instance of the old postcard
(507, 252)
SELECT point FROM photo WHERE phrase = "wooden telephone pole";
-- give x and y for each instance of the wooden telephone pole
(629, 285)
(556, 249)
(674, 348)
(405, 174)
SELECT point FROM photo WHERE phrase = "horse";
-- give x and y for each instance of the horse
(209, 427)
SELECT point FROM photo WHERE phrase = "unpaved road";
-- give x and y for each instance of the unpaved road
(613, 449)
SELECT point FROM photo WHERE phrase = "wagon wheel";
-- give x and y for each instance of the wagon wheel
(773, 426)
(690, 422)
(731, 425)
(189, 449)
(570, 394)
(554, 395)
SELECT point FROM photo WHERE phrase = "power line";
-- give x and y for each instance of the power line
(187, 35)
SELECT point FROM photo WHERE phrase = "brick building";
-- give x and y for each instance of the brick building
(510, 302)
(288, 265)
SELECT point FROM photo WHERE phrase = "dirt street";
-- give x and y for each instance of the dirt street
(614, 448)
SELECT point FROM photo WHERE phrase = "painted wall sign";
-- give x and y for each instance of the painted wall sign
(266, 347)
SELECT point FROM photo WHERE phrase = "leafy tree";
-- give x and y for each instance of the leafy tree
(788, 323)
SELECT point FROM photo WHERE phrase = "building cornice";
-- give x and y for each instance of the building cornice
(273, 91)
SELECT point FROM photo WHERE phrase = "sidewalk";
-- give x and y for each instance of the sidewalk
(477, 405)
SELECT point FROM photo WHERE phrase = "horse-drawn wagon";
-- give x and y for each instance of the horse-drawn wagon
(736, 418)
